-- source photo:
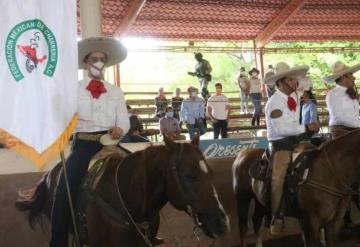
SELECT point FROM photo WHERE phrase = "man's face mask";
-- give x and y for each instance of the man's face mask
(169, 114)
(194, 93)
(97, 69)
(254, 74)
(218, 90)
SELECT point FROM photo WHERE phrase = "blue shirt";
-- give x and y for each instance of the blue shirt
(309, 113)
(192, 109)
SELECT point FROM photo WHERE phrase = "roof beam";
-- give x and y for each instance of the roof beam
(278, 22)
(130, 17)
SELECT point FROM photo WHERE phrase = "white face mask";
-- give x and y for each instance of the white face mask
(194, 94)
(97, 68)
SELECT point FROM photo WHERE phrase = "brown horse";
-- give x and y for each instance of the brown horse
(322, 200)
(145, 181)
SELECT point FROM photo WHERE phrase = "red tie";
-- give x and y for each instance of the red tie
(96, 88)
(291, 103)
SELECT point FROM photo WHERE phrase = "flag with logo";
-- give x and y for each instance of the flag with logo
(38, 76)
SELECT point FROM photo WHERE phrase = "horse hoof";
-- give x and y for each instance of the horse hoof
(158, 241)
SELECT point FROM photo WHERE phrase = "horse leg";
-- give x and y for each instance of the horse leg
(257, 218)
(311, 229)
(243, 203)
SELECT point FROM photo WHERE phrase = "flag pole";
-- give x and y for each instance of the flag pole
(76, 233)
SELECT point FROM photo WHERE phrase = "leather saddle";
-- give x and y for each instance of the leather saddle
(299, 168)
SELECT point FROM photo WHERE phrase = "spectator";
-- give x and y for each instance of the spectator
(176, 103)
(192, 113)
(160, 103)
(244, 85)
(270, 87)
(169, 125)
(308, 109)
(136, 132)
(218, 109)
(202, 71)
(255, 94)
(305, 84)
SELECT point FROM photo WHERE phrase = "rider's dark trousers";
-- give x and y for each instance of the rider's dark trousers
(76, 166)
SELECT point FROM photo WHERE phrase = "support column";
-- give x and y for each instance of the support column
(90, 18)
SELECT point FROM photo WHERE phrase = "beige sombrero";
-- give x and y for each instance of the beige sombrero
(114, 50)
(282, 70)
(339, 69)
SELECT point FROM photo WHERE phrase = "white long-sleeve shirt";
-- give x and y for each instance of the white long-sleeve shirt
(101, 114)
(287, 124)
(342, 109)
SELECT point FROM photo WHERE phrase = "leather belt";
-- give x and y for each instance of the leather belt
(89, 136)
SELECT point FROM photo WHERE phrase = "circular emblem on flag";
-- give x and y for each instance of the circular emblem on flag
(31, 47)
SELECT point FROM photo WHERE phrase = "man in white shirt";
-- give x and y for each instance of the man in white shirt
(282, 113)
(101, 110)
(343, 100)
(218, 109)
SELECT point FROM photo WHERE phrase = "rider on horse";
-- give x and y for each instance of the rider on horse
(101, 110)
(282, 114)
(343, 101)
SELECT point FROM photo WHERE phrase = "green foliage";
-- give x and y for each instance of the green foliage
(146, 72)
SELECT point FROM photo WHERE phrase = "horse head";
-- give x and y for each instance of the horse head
(189, 187)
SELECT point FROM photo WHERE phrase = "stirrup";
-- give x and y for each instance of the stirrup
(278, 227)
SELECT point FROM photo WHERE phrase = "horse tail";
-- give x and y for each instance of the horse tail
(33, 201)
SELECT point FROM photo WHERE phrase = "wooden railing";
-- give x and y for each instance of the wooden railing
(237, 123)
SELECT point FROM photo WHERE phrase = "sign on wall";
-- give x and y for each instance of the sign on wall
(230, 147)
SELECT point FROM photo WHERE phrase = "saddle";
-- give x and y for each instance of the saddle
(88, 192)
(297, 173)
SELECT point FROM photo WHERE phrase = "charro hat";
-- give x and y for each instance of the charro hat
(254, 70)
(282, 70)
(113, 49)
(339, 69)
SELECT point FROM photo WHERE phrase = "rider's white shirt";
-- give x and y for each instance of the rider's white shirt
(288, 123)
(101, 114)
(342, 109)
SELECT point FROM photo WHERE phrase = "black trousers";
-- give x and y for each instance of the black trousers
(221, 126)
(76, 167)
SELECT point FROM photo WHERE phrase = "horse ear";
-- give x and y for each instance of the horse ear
(169, 142)
(195, 141)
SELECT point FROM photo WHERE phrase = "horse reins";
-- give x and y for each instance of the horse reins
(330, 190)
(174, 170)
(144, 225)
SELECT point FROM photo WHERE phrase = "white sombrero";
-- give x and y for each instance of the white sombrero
(282, 70)
(339, 69)
(114, 50)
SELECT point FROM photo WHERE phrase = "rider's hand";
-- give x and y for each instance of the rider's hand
(116, 132)
(313, 126)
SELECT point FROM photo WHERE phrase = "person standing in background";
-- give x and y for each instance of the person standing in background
(270, 88)
(244, 86)
(203, 72)
(218, 109)
(192, 113)
(176, 103)
(255, 94)
(160, 103)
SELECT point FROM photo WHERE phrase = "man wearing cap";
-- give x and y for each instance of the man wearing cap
(192, 113)
(202, 71)
(101, 110)
(255, 94)
(343, 100)
(282, 113)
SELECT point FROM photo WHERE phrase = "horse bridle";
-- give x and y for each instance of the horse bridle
(145, 225)
(174, 170)
(340, 180)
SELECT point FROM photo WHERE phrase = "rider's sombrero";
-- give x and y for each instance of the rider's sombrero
(339, 69)
(282, 70)
(114, 50)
